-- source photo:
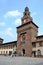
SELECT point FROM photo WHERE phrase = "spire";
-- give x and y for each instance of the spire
(26, 9)
(26, 12)
(26, 16)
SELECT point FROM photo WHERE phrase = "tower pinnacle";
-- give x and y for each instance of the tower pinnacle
(26, 16)
(26, 9)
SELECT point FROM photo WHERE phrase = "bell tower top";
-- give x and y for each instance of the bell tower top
(26, 9)
(26, 16)
(26, 12)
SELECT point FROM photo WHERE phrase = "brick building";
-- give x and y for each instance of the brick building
(28, 42)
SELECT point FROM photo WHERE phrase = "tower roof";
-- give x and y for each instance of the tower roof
(26, 9)
(28, 23)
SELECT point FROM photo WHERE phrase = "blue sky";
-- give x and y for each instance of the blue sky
(11, 12)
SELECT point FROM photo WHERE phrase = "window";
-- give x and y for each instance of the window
(40, 43)
(34, 44)
(37, 44)
(6, 52)
(1, 52)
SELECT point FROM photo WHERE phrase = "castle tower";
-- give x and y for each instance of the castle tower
(26, 34)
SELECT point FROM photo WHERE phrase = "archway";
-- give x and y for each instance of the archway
(23, 51)
(10, 52)
(38, 52)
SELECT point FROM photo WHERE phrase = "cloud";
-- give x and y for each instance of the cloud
(17, 21)
(2, 23)
(7, 32)
(12, 13)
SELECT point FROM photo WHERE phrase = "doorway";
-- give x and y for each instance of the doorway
(23, 51)
(34, 53)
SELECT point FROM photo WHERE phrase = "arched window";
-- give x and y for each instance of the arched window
(38, 52)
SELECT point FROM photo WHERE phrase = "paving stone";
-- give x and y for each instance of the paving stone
(8, 60)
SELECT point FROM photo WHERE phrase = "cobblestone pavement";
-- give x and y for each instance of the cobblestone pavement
(8, 60)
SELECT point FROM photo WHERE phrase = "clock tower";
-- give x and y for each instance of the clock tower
(26, 34)
(26, 17)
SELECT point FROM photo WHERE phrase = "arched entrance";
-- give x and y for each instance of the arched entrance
(38, 52)
(10, 52)
(23, 51)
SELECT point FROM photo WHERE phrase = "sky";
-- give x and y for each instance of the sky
(11, 12)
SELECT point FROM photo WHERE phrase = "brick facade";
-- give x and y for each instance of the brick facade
(29, 30)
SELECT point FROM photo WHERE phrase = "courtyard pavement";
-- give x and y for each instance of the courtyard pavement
(8, 60)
